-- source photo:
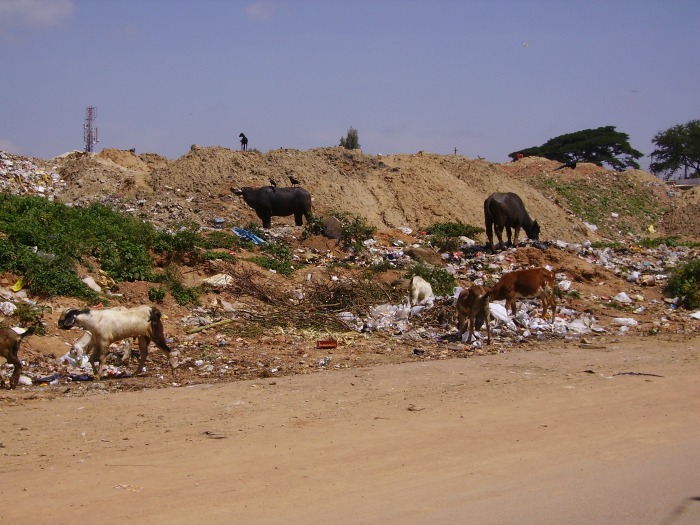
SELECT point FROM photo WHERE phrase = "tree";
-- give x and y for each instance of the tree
(600, 145)
(677, 148)
(351, 140)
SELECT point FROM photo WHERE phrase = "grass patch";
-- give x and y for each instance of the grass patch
(684, 283)
(441, 281)
(45, 241)
(619, 194)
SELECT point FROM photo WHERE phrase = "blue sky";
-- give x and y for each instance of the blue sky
(485, 77)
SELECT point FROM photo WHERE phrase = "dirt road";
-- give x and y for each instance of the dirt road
(559, 434)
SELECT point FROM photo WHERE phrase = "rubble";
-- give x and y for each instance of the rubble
(602, 290)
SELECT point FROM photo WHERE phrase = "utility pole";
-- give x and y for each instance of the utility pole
(89, 131)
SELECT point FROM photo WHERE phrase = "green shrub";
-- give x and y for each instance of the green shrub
(278, 257)
(351, 140)
(183, 295)
(658, 241)
(313, 226)
(445, 236)
(454, 229)
(219, 239)
(125, 260)
(355, 229)
(441, 281)
(212, 256)
(684, 283)
(156, 294)
(44, 241)
(49, 278)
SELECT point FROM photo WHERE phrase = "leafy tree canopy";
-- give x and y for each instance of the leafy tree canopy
(677, 148)
(600, 146)
(351, 141)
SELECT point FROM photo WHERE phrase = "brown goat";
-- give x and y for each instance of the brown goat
(473, 305)
(524, 284)
(9, 348)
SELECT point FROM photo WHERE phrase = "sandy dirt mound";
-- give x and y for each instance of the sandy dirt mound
(125, 159)
(409, 190)
(412, 191)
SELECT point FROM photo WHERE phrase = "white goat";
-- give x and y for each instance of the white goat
(110, 325)
(421, 291)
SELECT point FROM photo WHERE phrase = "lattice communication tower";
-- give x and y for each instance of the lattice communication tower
(89, 131)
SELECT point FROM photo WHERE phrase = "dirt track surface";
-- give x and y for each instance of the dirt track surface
(562, 433)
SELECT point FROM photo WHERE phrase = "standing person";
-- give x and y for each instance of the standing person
(244, 142)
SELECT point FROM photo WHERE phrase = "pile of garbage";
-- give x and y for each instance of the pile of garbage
(23, 175)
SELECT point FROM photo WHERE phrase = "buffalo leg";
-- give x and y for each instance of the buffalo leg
(499, 235)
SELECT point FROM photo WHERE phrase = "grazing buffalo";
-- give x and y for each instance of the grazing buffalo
(506, 210)
(279, 202)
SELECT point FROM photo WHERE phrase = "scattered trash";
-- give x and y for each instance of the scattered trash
(625, 321)
(499, 312)
(8, 308)
(623, 298)
(48, 380)
(636, 374)
(90, 283)
(18, 285)
(248, 236)
(326, 343)
(212, 434)
(218, 281)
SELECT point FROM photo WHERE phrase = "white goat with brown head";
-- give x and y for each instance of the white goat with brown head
(110, 325)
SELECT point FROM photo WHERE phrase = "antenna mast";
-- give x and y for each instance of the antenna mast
(90, 132)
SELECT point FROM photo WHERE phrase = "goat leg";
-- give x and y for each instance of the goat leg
(96, 362)
(13, 360)
(143, 354)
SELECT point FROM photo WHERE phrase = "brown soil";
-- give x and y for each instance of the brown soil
(477, 440)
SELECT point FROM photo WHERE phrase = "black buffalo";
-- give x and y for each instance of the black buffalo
(279, 202)
(506, 210)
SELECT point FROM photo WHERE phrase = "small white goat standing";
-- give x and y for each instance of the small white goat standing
(110, 325)
(421, 291)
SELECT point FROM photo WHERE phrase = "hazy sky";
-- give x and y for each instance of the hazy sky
(486, 77)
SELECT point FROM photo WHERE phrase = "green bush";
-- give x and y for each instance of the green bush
(445, 236)
(441, 281)
(684, 283)
(454, 229)
(156, 294)
(278, 257)
(51, 278)
(125, 260)
(183, 295)
(44, 241)
(351, 140)
(313, 226)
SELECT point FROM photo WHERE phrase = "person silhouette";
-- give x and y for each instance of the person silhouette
(244, 142)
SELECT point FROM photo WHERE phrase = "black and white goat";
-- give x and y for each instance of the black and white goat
(110, 325)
